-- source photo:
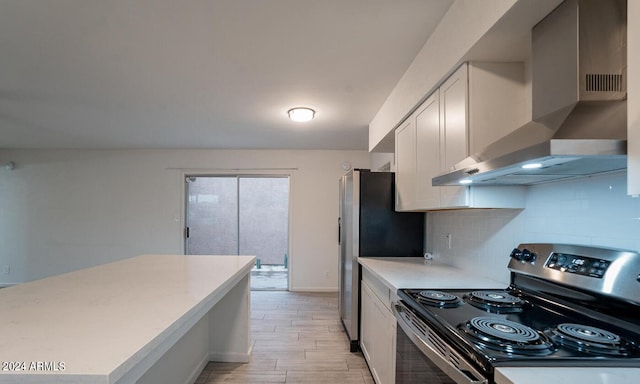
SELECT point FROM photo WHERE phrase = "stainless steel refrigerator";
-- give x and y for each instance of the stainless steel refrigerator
(369, 226)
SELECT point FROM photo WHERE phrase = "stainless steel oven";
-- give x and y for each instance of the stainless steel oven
(423, 357)
(566, 306)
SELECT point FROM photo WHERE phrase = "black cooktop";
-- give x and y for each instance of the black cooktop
(509, 328)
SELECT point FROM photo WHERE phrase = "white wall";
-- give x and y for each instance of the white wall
(62, 210)
(593, 211)
(461, 27)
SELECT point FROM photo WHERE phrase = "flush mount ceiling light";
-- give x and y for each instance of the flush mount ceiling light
(532, 166)
(301, 114)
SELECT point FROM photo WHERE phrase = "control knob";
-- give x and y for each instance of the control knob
(516, 254)
(527, 255)
(523, 255)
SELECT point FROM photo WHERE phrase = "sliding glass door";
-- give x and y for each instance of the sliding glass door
(212, 216)
(247, 215)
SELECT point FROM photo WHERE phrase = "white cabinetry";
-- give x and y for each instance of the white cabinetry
(454, 123)
(476, 105)
(417, 157)
(405, 165)
(377, 329)
(427, 150)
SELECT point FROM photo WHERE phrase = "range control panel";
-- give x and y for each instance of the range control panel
(607, 271)
(579, 265)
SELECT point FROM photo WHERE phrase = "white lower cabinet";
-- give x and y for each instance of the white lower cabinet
(377, 330)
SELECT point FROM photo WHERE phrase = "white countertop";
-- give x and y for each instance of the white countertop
(416, 272)
(561, 375)
(101, 321)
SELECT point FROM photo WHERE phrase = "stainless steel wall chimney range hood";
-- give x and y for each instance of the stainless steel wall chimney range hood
(579, 103)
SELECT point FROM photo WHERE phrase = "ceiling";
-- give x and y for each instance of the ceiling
(219, 74)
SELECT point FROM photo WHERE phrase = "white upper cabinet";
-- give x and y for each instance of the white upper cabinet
(405, 166)
(476, 105)
(454, 133)
(428, 150)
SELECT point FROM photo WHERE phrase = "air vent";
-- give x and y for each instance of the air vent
(437, 343)
(604, 83)
(455, 360)
(420, 327)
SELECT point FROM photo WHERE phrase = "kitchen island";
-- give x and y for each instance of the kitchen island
(148, 319)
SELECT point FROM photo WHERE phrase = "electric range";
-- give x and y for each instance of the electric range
(566, 305)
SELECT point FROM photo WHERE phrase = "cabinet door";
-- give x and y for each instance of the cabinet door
(453, 133)
(405, 165)
(427, 121)
(382, 357)
(377, 336)
(366, 322)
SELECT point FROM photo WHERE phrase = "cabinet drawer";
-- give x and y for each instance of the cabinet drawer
(378, 288)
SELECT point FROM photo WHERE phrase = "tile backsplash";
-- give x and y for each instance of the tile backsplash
(591, 211)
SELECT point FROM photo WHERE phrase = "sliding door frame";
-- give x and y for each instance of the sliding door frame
(238, 173)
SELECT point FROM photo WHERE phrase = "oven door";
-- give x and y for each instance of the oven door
(423, 357)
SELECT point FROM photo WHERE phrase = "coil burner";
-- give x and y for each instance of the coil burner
(589, 339)
(507, 336)
(438, 299)
(495, 301)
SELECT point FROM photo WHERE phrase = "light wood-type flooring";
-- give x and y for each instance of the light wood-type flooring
(297, 338)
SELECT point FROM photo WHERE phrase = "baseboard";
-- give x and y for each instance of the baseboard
(193, 377)
(313, 289)
(230, 357)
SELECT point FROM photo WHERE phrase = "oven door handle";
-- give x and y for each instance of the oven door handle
(461, 372)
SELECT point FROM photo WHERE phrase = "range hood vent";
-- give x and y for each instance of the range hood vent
(579, 125)
(604, 83)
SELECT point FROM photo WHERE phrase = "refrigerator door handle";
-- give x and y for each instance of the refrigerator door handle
(339, 231)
